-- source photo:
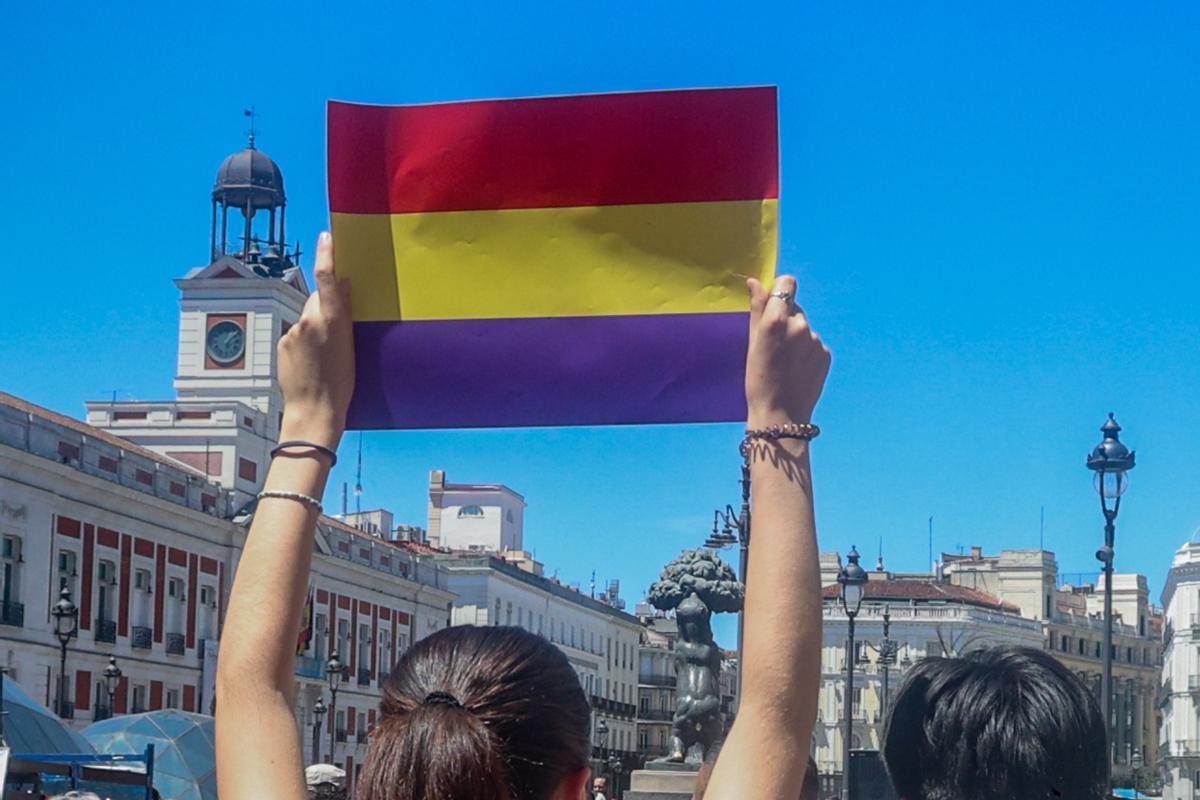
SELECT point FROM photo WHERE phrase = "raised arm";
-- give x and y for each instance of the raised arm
(765, 755)
(258, 747)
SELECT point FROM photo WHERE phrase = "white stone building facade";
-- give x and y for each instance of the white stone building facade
(926, 619)
(1179, 694)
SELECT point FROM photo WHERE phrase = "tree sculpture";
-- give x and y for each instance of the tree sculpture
(695, 585)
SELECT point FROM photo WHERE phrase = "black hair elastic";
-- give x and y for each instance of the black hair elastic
(441, 699)
(320, 448)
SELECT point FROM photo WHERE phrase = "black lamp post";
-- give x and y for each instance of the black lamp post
(886, 656)
(616, 768)
(853, 580)
(318, 715)
(333, 674)
(112, 679)
(66, 626)
(724, 524)
(602, 737)
(1111, 461)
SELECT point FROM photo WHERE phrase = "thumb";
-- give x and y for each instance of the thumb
(758, 299)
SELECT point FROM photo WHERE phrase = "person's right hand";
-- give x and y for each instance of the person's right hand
(786, 362)
(316, 359)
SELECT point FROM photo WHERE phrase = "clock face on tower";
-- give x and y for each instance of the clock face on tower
(226, 342)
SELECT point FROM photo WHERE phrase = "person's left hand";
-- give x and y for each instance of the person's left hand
(316, 359)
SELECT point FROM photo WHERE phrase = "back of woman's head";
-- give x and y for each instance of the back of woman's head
(470, 712)
(996, 724)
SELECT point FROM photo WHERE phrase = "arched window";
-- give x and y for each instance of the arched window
(470, 511)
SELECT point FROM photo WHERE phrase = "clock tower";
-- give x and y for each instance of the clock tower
(228, 406)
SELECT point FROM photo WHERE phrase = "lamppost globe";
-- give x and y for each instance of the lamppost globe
(112, 676)
(1111, 460)
(853, 579)
(112, 673)
(66, 617)
(333, 671)
(319, 710)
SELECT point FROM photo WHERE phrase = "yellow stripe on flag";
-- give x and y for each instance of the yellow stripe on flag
(663, 258)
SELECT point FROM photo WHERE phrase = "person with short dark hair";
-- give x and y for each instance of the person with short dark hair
(1005, 723)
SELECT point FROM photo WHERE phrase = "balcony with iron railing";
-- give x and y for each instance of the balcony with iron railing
(137, 708)
(12, 613)
(655, 715)
(1183, 748)
(176, 644)
(655, 679)
(364, 676)
(1194, 684)
(106, 631)
(340, 735)
(310, 667)
(101, 711)
(66, 709)
(141, 637)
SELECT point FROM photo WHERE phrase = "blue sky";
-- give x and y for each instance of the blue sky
(991, 210)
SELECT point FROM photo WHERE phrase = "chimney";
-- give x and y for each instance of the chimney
(976, 553)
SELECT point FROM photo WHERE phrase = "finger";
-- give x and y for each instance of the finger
(344, 287)
(780, 307)
(758, 298)
(327, 285)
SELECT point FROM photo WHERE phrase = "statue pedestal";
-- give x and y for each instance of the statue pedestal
(662, 782)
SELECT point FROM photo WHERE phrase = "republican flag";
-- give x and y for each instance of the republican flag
(554, 261)
(306, 621)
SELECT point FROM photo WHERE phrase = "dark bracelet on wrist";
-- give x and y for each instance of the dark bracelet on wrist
(320, 448)
(790, 430)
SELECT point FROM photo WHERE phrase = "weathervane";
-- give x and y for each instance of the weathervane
(253, 115)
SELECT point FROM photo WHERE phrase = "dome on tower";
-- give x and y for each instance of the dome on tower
(249, 176)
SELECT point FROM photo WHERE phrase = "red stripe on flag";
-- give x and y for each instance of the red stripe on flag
(614, 149)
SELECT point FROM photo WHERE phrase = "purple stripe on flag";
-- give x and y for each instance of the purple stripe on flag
(504, 373)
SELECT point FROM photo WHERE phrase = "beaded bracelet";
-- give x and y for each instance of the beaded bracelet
(790, 430)
(297, 496)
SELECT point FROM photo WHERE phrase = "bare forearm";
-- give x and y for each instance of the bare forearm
(259, 639)
(783, 595)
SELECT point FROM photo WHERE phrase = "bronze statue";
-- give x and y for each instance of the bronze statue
(695, 585)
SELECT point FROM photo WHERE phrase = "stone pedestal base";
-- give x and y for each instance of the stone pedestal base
(673, 783)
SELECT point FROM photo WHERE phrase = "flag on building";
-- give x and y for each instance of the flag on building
(306, 621)
(554, 261)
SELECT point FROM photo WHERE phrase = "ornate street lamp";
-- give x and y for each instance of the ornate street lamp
(886, 654)
(1111, 460)
(616, 768)
(318, 714)
(853, 581)
(602, 737)
(112, 680)
(333, 674)
(66, 626)
(725, 522)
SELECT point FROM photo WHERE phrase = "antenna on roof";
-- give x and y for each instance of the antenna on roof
(879, 561)
(358, 479)
(931, 540)
(592, 585)
(345, 509)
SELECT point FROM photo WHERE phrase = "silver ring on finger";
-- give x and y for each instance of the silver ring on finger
(784, 296)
